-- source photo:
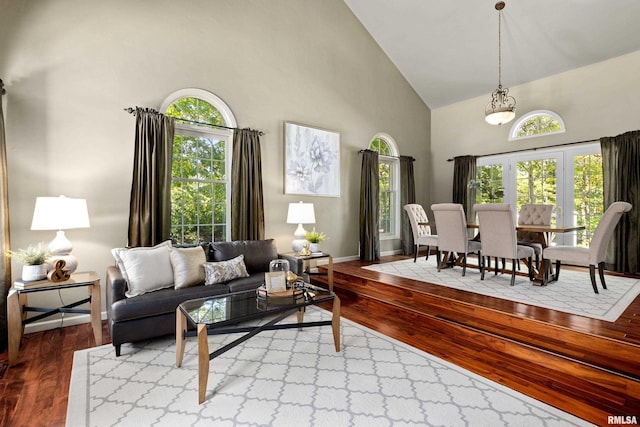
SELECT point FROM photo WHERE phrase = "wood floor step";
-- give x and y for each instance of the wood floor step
(584, 366)
(616, 355)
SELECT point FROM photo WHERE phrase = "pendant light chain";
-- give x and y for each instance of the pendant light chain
(500, 47)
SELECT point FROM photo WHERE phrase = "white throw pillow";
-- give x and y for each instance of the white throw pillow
(146, 269)
(223, 271)
(187, 266)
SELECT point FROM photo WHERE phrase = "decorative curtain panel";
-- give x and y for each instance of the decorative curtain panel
(5, 262)
(150, 204)
(621, 181)
(369, 207)
(407, 195)
(464, 171)
(247, 212)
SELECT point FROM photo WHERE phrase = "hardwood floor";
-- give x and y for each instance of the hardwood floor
(586, 367)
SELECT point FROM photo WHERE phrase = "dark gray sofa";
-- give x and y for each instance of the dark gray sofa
(153, 314)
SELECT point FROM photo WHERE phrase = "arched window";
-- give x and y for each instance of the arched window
(200, 181)
(389, 170)
(536, 123)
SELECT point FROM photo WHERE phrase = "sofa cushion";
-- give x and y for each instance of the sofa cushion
(246, 283)
(187, 266)
(146, 269)
(257, 253)
(160, 302)
(223, 271)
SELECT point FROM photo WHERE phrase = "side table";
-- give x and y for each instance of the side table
(17, 306)
(308, 265)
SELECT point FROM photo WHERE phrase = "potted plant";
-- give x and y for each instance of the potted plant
(34, 259)
(315, 238)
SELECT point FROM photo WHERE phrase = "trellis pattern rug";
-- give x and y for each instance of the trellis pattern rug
(572, 293)
(294, 378)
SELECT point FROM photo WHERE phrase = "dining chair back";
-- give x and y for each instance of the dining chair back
(421, 231)
(498, 237)
(594, 255)
(534, 214)
(451, 225)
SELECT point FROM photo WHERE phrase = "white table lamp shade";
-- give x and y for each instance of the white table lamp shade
(300, 213)
(60, 213)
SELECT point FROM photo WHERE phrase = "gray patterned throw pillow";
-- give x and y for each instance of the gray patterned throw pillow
(223, 271)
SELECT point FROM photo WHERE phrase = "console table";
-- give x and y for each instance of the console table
(17, 306)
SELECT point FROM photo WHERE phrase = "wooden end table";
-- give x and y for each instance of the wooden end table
(17, 306)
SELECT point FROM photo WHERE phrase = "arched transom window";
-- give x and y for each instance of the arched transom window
(536, 123)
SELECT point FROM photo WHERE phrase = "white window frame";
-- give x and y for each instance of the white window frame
(518, 124)
(208, 131)
(394, 162)
(564, 178)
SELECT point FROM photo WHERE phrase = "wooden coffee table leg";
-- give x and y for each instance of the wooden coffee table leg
(181, 327)
(335, 322)
(203, 362)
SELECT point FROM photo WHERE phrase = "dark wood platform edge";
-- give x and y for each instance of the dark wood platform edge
(587, 367)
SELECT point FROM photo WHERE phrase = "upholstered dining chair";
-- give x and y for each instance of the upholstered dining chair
(533, 214)
(451, 225)
(595, 253)
(498, 231)
(421, 231)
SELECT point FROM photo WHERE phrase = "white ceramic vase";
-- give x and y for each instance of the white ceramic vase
(314, 247)
(34, 272)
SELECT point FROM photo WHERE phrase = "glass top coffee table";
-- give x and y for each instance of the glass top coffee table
(224, 314)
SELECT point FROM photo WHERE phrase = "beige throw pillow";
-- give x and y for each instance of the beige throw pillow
(146, 269)
(187, 266)
(223, 271)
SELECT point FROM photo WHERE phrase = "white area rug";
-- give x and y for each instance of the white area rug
(572, 293)
(294, 378)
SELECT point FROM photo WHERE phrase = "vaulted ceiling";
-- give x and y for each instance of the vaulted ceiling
(448, 49)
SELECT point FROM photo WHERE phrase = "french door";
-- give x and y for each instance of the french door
(569, 178)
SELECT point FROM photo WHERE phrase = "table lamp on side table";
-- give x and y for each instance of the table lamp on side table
(300, 213)
(60, 213)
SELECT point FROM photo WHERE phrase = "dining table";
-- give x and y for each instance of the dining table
(544, 234)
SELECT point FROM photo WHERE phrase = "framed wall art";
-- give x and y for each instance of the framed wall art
(312, 160)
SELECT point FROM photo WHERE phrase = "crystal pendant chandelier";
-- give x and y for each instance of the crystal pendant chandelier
(502, 107)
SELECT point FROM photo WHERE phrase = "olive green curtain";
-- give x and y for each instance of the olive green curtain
(369, 207)
(247, 206)
(464, 173)
(621, 182)
(5, 263)
(407, 195)
(150, 204)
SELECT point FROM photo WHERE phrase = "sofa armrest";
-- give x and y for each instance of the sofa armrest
(116, 285)
(295, 264)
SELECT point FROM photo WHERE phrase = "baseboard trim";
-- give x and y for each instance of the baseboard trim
(60, 322)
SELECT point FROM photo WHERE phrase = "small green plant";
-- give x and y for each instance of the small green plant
(32, 255)
(315, 236)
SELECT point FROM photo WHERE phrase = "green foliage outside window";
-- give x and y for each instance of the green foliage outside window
(536, 183)
(588, 195)
(386, 191)
(199, 178)
(537, 125)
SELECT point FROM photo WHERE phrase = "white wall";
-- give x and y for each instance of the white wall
(71, 66)
(595, 101)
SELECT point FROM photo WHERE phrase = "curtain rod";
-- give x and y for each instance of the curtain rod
(388, 155)
(131, 110)
(533, 149)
